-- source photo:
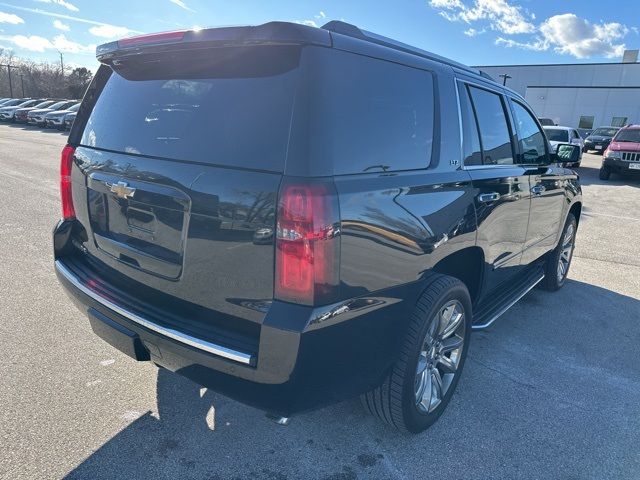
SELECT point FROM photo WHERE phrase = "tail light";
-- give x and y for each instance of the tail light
(66, 161)
(307, 243)
(152, 38)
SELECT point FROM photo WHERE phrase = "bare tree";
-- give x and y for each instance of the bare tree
(42, 79)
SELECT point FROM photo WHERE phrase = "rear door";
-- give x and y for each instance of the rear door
(180, 156)
(547, 184)
(501, 187)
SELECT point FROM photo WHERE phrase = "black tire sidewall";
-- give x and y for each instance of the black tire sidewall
(416, 421)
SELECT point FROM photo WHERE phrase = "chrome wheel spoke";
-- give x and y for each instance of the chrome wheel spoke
(452, 322)
(422, 363)
(436, 389)
(447, 364)
(451, 343)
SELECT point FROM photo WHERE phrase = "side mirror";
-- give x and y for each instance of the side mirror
(566, 154)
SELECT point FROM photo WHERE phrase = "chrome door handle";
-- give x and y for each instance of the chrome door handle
(488, 197)
(538, 189)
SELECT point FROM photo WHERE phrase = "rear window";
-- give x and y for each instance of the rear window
(222, 106)
(368, 115)
(557, 135)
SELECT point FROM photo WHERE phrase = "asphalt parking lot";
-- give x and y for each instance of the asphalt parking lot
(551, 390)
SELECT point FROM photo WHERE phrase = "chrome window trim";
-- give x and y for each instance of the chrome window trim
(200, 344)
(484, 87)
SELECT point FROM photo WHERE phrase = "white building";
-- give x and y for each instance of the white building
(585, 95)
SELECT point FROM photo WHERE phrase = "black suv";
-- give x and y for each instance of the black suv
(293, 216)
(599, 139)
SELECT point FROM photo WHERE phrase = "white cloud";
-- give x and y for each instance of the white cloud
(182, 5)
(310, 23)
(320, 15)
(36, 43)
(566, 34)
(62, 3)
(33, 43)
(502, 16)
(61, 26)
(60, 42)
(472, 32)
(570, 34)
(109, 31)
(10, 18)
(37, 11)
(538, 45)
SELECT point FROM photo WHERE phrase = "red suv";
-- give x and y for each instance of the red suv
(623, 154)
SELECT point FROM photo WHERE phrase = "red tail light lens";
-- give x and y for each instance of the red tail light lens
(66, 161)
(307, 244)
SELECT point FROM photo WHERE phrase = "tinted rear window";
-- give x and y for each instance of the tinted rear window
(368, 115)
(557, 135)
(224, 106)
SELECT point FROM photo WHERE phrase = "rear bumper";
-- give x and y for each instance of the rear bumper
(619, 166)
(306, 358)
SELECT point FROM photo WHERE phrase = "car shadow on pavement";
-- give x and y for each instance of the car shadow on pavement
(551, 390)
(24, 126)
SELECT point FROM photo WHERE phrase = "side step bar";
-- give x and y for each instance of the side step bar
(492, 310)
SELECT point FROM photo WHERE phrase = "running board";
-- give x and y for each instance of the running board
(492, 310)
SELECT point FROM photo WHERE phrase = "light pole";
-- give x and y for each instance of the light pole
(61, 64)
(504, 77)
(22, 83)
(9, 71)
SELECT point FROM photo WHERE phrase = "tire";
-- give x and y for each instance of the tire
(555, 275)
(402, 399)
(604, 173)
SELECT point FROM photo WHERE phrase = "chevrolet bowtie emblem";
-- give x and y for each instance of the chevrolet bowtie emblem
(122, 190)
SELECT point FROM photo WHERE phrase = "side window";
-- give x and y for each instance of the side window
(471, 139)
(532, 140)
(370, 115)
(576, 134)
(494, 130)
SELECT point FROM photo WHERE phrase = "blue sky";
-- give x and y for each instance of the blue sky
(475, 32)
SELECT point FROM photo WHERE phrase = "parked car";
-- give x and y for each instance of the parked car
(547, 122)
(623, 154)
(7, 114)
(13, 101)
(36, 117)
(69, 118)
(55, 119)
(403, 215)
(599, 139)
(585, 132)
(563, 135)
(20, 115)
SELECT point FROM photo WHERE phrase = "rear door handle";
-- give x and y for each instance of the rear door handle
(538, 189)
(488, 197)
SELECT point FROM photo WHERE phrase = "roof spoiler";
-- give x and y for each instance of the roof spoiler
(272, 33)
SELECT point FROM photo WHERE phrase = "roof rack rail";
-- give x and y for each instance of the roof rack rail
(350, 30)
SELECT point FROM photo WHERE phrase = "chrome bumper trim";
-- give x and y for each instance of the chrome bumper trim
(203, 345)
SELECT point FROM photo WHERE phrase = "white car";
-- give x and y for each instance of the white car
(559, 135)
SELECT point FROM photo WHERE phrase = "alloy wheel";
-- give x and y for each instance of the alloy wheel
(564, 259)
(439, 356)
